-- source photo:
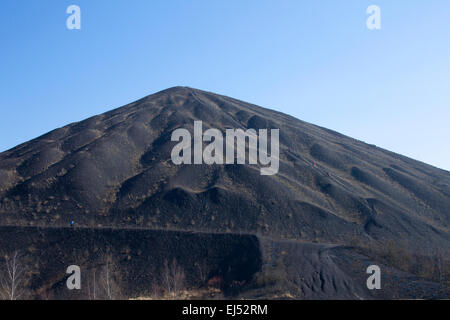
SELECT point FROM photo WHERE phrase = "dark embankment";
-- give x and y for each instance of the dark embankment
(136, 257)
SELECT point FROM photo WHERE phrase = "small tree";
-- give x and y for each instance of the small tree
(202, 272)
(173, 278)
(108, 277)
(441, 266)
(12, 277)
(92, 290)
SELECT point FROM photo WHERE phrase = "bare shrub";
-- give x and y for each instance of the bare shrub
(92, 285)
(108, 279)
(434, 266)
(12, 280)
(202, 272)
(441, 266)
(173, 279)
(272, 275)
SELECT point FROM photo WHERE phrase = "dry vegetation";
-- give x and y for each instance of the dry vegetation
(12, 277)
(432, 266)
(103, 282)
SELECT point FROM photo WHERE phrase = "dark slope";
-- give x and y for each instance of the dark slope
(114, 170)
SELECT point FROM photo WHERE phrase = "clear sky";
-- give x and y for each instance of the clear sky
(315, 60)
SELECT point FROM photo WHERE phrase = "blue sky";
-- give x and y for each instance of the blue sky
(315, 60)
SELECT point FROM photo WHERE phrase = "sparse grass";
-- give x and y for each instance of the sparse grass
(273, 279)
(434, 266)
(191, 294)
(173, 279)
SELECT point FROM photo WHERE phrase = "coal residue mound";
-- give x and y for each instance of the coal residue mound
(114, 172)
